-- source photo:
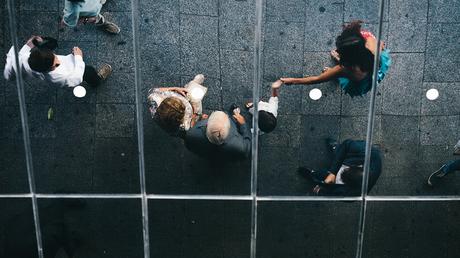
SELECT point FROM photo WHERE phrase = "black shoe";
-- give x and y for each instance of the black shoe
(331, 144)
(436, 176)
(232, 107)
(305, 172)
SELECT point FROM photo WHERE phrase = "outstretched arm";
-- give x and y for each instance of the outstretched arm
(328, 75)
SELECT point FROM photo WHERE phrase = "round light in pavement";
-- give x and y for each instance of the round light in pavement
(432, 94)
(315, 94)
(79, 91)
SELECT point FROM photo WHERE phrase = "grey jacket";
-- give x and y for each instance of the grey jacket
(237, 145)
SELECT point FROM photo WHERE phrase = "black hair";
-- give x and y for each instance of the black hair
(47, 42)
(267, 121)
(41, 59)
(353, 176)
(352, 50)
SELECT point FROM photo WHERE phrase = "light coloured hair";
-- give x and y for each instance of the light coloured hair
(218, 127)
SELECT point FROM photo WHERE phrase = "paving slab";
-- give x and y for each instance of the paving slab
(408, 21)
(365, 10)
(403, 85)
(446, 104)
(439, 130)
(442, 42)
(289, 11)
(443, 11)
(199, 7)
(115, 120)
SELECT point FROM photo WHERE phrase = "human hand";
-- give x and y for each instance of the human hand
(77, 51)
(30, 41)
(330, 179)
(316, 189)
(288, 80)
(181, 91)
(239, 118)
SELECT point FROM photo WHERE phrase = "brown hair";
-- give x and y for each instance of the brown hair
(170, 114)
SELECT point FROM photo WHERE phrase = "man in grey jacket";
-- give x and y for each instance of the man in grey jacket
(220, 136)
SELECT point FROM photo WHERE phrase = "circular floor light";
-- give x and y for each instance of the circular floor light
(315, 94)
(79, 91)
(432, 94)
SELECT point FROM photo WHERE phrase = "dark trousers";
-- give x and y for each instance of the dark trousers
(452, 166)
(91, 77)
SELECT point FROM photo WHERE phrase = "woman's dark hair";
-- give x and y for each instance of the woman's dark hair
(267, 121)
(41, 59)
(353, 176)
(170, 114)
(352, 50)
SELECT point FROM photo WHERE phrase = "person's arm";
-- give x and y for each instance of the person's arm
(242, 145)
(371, 44)
(76, 77)
(328, 75)
(180, 90)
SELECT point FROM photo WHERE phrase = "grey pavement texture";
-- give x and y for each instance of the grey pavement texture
(90, 145)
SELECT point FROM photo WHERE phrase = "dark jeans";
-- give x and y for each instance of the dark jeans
(91, 77)
(451, 166)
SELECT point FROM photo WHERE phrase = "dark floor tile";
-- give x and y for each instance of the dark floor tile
(315, 130)
(443, 11)
(355, 127)
(439, 130)
(222, 232)
(85, 227)
(119, 88)
(159, 27)
(280, 63)
(37, 23)
(199, 45)
(199, 7)
(442, 42)
(408, 21)
(116, 167)
(446, 104)
(406, 69)
(235, 34)
(45, 5)
(287, 36)
(13, 170)
(290, 11)
(299, 229)
(115, 120)
(17, 234)
(365, 10)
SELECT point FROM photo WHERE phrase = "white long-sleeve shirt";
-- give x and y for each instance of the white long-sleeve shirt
(69, 73)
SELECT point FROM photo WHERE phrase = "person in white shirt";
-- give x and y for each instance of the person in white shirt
(268, 111)
(39, 61)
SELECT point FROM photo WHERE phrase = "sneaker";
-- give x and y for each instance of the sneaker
(104, 71)
(103, 2)
(305, 172)
(107, 26)
(199, 79)
(332, 144)
(277, 84)
(435, 176)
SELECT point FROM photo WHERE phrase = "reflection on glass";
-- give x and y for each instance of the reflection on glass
(197, 69)
(77, 60)
(306, 43)
(419, 101)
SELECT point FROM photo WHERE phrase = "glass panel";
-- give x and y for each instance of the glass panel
(17, 231)
(199, 228)
(179, 40)
(298, 38)
(91, 227)
(85, 144)
(13, 164)
(412, 229)
(307, 229)
(420, 109)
